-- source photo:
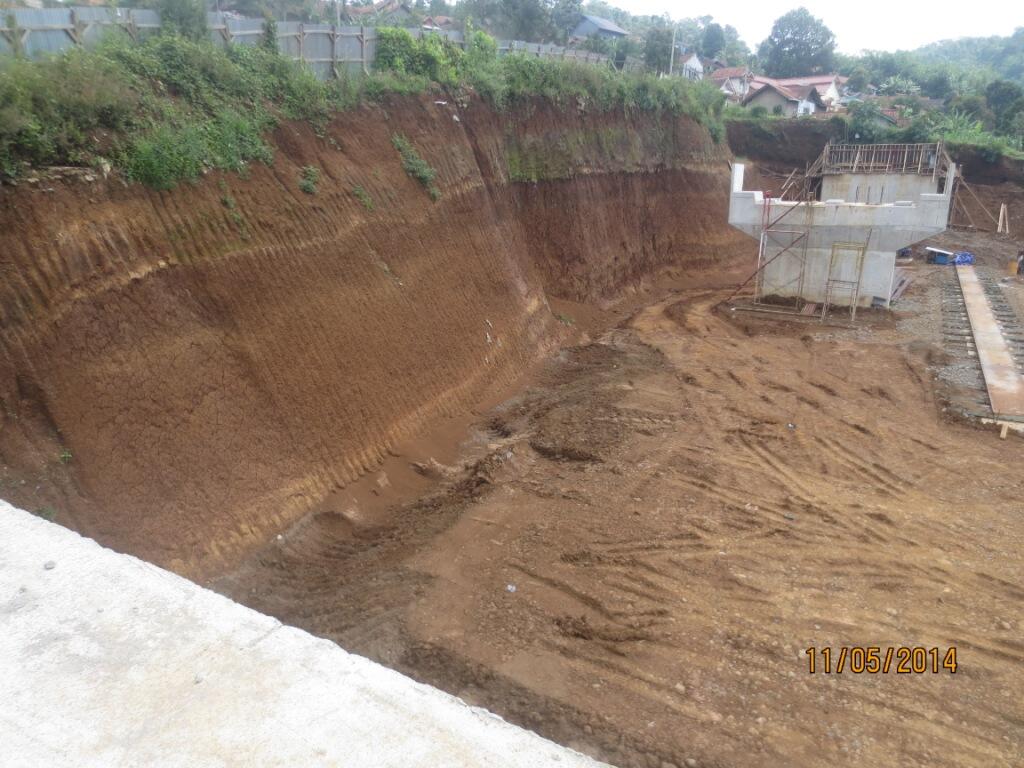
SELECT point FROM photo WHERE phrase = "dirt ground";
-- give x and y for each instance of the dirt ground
(632, 555)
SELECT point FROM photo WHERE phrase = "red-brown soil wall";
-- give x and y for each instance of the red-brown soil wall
(211, 361)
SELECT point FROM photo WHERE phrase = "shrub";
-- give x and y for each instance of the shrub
(309, 177)
(433, 57)
(396, 49)
(416, 166)
(183, 17)
(511, 80)
(50, 110)
(163, 110)
(268, 40)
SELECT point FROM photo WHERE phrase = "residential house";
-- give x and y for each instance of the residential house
(438, 23)
(392, 12)
(734, 82)
(779, 99)
(712, 65)
(689, 65)
(829, 87)
(591, 26)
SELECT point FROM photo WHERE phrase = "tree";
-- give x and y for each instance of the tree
(972, 106)
(658, 48)
(527, 20)
(565, 14)
(858, 80)
(799, 44)
(268, 40)
(625, 47)
(866, 122)
(1010, 117)
(712, 42)
(1001, 94)
(735, 52)
(183, 17)
(898, 85)
(689, 32)
(487, 14)
(1016, 129)
(936, 83)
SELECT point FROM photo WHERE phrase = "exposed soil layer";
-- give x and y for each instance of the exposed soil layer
(633, 554)
(781, 145)
(184, 374)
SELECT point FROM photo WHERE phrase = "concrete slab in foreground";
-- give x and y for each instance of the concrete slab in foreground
(108, 661)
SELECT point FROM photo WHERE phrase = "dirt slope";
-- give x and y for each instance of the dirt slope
(185, 373)
(644, 543)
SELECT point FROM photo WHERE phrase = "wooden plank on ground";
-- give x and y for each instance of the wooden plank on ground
(1003, 381)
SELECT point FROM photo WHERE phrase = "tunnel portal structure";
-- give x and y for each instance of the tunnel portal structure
(832, 235)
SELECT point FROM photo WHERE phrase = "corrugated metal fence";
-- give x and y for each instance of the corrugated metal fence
(326, 48)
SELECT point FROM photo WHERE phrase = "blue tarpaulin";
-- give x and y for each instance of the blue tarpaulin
(963, 257)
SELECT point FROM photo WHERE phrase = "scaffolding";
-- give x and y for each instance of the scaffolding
(779, 241)
(921, 159)
(839, 281)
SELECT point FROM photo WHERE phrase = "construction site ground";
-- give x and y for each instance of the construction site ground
(631, 554)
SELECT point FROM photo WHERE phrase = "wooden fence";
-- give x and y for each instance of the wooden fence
(327, 49)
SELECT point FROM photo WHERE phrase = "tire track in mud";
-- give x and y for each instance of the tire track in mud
(673, 576)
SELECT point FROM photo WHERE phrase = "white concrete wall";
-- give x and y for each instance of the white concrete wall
(884, 227)
(876, 188)
(108, 661)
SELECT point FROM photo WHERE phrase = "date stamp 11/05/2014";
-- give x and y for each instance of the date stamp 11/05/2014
(878, 660)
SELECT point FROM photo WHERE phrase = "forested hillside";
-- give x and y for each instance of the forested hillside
(1004, 56)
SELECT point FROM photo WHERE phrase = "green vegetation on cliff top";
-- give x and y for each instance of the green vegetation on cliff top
(170, 108)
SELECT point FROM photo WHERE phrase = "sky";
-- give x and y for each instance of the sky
(864, 25)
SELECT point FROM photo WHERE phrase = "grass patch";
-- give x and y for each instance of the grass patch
(363, 197)
(309, 177)
(416, 166)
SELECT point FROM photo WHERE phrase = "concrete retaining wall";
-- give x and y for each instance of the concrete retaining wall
(109, 661)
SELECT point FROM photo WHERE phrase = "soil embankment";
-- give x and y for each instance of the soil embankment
(183, 374)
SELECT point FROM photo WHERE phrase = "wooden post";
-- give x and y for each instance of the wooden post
(302, 42)
(73, 31)
(131, 29)
(1004, 220)
(334, 45)
(362, 48)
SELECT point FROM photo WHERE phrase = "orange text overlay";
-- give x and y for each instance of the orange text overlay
(874, 660)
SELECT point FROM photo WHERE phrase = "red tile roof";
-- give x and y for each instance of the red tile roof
(812, 79)
(725, 73)
(798, 91)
